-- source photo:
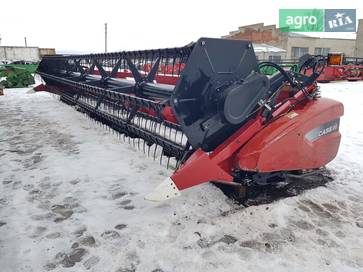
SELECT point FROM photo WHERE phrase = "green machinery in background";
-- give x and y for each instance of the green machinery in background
(18, 74)
(288, 64)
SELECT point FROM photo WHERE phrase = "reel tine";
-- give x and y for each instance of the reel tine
(145, 124)
(152, 125)
(159, 128)
(182, 138)
(167, 163)
(155, 151)
(169, 133)
(155, 127)
(161, 158)
(164, 127)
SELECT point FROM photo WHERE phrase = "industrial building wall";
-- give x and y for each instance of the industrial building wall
(259, 33)
(359, 42)
(345, 46)
(19, 53)
(270, 55)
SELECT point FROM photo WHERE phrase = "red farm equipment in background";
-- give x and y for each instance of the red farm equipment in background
(338, 67)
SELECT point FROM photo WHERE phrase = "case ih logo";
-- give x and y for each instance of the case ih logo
(323, 130)
(317, 20)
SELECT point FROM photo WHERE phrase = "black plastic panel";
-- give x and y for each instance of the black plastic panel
(212, 67)
(242, 98)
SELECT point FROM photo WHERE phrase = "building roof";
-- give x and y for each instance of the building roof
(298, 35)
(263, 47)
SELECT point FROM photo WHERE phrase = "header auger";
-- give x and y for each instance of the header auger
(208, 106)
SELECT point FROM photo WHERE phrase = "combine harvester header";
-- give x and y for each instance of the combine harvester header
(208, 106)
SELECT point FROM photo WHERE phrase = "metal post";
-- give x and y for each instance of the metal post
(26, 44)
(105, 37)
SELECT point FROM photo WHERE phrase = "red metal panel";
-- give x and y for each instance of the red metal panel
(284, 144)
(332, 73)
(216, 166)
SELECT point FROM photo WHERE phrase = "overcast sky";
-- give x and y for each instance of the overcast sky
(78, 25)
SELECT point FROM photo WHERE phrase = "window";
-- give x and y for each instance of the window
(297, 52)
(321, 51)
(274, 58)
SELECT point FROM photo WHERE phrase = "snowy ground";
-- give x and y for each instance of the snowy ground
(71, 199)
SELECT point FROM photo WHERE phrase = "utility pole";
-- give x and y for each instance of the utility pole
(26, 44)
(105, 37)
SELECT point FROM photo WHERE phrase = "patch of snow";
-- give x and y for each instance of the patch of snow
(72, 199)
